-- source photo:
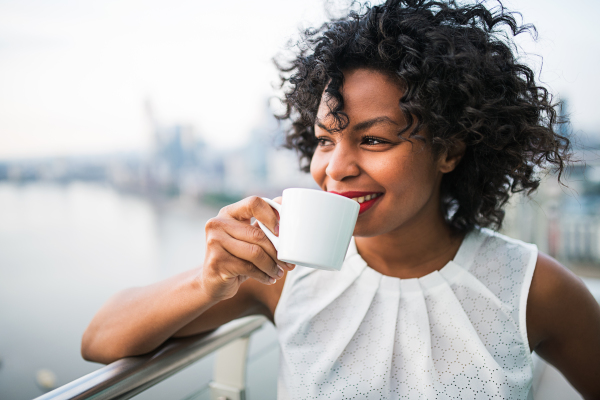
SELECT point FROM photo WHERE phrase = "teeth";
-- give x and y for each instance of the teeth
(365, 198)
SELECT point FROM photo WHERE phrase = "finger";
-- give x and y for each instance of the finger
(220, 229)
(256, 207)
(251, 234)
(270, 248)
(287, 265)
(247, 269)
(229, 265)
(255, 254)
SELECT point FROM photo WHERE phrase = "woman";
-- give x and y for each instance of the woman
(424, 107)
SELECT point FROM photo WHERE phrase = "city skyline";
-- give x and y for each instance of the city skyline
(74, 76)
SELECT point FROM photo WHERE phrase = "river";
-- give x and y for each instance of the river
(64, 250)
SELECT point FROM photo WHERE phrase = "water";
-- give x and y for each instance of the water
(64, 250)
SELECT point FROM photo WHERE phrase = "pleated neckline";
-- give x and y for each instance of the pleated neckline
(447, 274)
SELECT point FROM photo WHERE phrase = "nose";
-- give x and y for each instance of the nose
(342, 163)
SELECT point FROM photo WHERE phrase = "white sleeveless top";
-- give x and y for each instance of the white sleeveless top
(456, 333)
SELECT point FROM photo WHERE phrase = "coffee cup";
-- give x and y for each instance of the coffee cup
(315, 228)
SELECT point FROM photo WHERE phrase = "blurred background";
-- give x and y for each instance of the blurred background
(125, 125)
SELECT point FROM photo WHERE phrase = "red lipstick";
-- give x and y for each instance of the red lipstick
(366, 204)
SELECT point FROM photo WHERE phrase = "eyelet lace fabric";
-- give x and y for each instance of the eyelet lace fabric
(456, 333)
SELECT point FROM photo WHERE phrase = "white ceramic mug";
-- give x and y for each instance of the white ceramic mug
(315, 228)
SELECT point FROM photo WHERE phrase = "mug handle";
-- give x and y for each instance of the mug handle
(274, 239)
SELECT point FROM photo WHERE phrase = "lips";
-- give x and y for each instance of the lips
(366, 200)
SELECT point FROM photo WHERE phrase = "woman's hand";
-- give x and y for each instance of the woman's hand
(237, 250)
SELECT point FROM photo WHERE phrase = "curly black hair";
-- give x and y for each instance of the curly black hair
(462, 83)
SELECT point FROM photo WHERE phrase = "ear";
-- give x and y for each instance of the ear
(451, 157)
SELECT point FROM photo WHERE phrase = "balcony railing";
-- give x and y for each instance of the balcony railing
(130, 376)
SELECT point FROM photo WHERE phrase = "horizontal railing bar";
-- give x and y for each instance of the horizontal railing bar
(129, 376)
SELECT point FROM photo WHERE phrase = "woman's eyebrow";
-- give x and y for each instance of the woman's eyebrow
(361, 126)
(320, 125)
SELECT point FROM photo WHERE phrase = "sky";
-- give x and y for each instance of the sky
(75, 75)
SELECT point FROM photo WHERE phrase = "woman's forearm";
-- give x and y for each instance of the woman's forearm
(137, 320)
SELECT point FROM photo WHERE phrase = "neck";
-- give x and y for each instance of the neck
(419, 247)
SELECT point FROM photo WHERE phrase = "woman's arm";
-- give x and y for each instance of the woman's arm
(137, 320)
(563, 325)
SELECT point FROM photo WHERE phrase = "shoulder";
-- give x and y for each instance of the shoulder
(552, 281)
(503, 264)
(556, 295)
(563, 324)
(492, 245)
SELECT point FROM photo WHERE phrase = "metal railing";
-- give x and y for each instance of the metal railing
(130, 376)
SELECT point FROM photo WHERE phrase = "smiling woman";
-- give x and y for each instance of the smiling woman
(420, 112)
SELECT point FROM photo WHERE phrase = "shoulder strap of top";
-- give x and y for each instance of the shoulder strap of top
(469, 248)
(506, 266)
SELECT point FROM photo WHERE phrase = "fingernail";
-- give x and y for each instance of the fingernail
(277, 229)
(283, 265)
(279, 272)
(290, 266)
(272, 281)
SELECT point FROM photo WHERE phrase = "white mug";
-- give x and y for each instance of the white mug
(315, 228)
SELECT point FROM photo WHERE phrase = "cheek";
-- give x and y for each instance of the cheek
(390, 172)
(407, 175)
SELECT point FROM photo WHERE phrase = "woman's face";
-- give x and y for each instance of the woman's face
(368, 157)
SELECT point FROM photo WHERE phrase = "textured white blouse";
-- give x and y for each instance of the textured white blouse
(456, 333)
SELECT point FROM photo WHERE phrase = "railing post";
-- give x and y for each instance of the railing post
(229, 377)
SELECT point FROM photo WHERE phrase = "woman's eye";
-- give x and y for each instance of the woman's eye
(371, 141)
(323, 141)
